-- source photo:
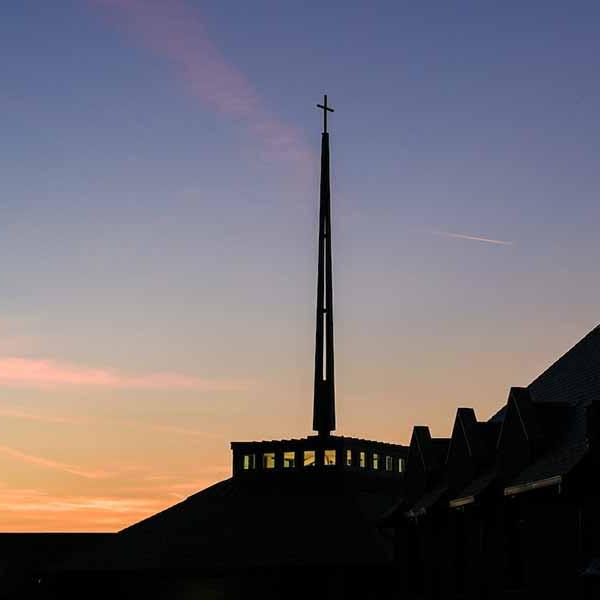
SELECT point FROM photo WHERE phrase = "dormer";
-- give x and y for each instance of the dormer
(520, 438)
(467, 451)
(426, 458)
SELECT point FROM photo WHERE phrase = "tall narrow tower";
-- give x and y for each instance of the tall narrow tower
(324, 395)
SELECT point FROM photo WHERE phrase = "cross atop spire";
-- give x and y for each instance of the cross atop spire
(325, 109)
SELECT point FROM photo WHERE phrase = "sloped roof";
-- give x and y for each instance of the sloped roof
(575, 377)
(560, 396)
(237, 522)
(429, 498)
(553, 409)
(478, 485)
(558, 461)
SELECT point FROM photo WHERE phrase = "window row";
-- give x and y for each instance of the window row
(307, 458)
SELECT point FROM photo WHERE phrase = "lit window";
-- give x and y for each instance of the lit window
(289, 460)
(389, 463)
(401, 465)
(329, 457)
(268, 461)
(362, 460)
(375, 461)
(348, 458)
(309, 458)
(249, 462)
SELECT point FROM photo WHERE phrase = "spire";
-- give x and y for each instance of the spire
(324, 396)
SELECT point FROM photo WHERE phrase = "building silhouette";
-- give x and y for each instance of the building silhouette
(298, 518)
(504, 508)
(509, 507)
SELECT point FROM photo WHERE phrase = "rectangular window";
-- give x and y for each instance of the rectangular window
(348, 458)
(249, 462)
(375, 461)
(289, 460)
(363, 460)
(389, 463)
(309, 458)
(329, 457)
(268, 461)
(401, 465)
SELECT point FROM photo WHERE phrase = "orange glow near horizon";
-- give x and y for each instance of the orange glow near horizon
(159, 232)
(102, 472)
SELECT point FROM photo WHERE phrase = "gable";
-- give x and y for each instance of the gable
(417, 461)
(464, 453)
(519, 435)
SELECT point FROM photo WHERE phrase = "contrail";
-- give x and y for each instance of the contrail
(475, 238)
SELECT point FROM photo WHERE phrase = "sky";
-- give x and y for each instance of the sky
(158, 229)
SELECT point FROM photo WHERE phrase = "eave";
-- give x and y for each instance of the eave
(513, 490)
(458, 502)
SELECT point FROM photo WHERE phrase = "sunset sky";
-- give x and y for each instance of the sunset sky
(158, 229)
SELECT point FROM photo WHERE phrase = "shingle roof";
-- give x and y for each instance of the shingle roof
(575, 377)
(558, 461)
(560, 395)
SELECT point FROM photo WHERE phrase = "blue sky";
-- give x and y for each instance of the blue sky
(158, 219)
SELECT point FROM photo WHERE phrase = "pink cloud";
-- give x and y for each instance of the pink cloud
(43, 373)
(174, 31)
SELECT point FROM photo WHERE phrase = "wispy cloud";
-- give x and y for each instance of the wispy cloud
(53, 464)
(176, 430)
(27, 416)
(474, 238)
(175, 31)
(35, 510)
(44, 373)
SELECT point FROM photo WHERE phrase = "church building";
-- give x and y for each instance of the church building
(504, 508)
(298, 518)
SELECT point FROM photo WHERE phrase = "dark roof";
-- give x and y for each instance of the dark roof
(560, 397)
(467, 421)
(440, 450)
(429, 498)
(575, 377)
(310, 520)
(489, 432)
(478, 485)
(499, 416)
(321, 441)
(557, 461)
(553, 411)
